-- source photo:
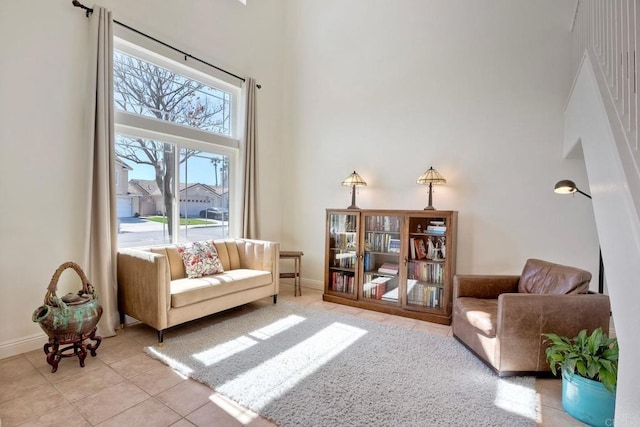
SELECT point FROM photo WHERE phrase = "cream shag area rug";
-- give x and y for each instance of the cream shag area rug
(303, 366)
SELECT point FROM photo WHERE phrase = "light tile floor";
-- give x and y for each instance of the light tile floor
(122, 386)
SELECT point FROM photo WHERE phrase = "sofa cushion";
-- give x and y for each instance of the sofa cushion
(200, 258)
(176, 266)
(190, 291)
(542, 277)
(228, 253)
(481, 313)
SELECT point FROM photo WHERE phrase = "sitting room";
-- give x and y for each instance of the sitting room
(391, 195)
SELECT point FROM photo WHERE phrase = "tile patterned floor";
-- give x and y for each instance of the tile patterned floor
(121, 386)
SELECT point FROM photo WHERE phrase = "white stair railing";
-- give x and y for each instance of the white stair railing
(608, 31)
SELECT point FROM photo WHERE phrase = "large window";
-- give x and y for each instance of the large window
(175, 148)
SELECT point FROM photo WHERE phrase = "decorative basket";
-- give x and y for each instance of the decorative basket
(73, 316)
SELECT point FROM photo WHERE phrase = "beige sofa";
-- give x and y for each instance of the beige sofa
(153, 287)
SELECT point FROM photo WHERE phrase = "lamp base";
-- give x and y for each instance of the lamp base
(353, 198)
(430, 207)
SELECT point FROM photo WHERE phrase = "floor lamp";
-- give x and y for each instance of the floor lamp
(567, 186)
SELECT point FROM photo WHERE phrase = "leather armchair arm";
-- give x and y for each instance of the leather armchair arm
(523, 318)
(144, 286)
(483, 286)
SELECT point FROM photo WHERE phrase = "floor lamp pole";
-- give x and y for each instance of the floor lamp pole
(601, 274)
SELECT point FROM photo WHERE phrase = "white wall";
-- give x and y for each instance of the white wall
(42, 83)
(588, 125)
(475, 89)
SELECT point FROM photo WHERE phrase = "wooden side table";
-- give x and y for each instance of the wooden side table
(297, 261)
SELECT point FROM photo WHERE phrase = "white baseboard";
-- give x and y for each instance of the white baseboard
(306, 283)
(312, 284)
(23, 345)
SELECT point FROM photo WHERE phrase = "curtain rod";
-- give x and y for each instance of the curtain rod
(89, 11)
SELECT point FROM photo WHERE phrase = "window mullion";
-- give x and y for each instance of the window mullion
(176, 194)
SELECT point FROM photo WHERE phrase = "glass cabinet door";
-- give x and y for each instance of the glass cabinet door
(343, 253)
(426, 266)
(381, 257)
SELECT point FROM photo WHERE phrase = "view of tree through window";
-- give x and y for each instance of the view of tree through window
(152, 91)
(148, 193)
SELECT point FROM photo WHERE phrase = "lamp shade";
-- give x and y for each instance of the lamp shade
(354, 179)
(565, 186)
(431, 176)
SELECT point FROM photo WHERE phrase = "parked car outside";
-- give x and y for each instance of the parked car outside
(221, 214)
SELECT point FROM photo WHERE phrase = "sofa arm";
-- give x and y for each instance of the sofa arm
(483, 286)
(523, 318)
(144, 291)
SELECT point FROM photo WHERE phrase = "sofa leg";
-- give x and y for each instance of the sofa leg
(275, 299)
(121, 320)
(160, 338)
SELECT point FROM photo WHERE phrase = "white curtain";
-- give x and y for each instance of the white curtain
(250, 193)
(100, 244)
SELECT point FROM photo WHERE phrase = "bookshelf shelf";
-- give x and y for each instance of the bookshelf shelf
(394, 261)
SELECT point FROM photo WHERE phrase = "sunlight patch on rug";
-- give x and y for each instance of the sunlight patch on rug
(273, 378)
(178, 366)
(221, 352)
(515, 398)
(227, 349)
(276, 327)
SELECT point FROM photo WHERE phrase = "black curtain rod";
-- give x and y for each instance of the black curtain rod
(89, 11)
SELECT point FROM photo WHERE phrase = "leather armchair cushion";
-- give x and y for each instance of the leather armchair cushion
(543, 277)
(480, 313)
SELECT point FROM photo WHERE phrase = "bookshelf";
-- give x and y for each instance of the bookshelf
(393, 261)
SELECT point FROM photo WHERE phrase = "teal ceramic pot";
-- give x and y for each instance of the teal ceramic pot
(73, 316)
(68, 322)
(587, 400)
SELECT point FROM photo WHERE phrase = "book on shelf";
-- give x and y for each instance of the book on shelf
(389, 268)
(426, 272)
(421, 249)
(342, 282)
(369, 261)
(394, 245)
(412, 247)
(391, 295)
(436, 229)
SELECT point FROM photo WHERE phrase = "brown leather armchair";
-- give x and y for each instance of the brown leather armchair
(502, 318)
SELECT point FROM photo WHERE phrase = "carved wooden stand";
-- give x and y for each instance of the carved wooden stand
(55, 353)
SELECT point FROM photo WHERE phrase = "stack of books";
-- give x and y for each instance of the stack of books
(375, 288)
(436, 229)
(389, 268)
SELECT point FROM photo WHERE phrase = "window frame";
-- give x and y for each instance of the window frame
(133, 125)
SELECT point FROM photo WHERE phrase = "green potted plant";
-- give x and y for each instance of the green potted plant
(589, 365)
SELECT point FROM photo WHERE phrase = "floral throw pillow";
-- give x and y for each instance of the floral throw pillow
(200, 259)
